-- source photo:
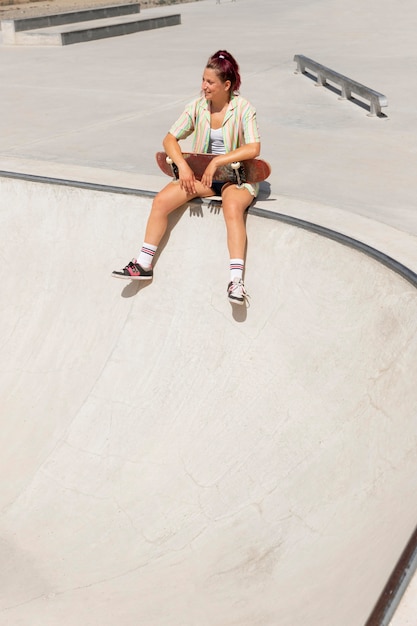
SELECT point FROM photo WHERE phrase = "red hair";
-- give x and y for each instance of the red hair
(226, 68)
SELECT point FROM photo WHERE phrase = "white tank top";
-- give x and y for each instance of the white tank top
(216, 145)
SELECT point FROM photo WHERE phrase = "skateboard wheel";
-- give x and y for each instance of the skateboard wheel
(236, 165)
(169, 160)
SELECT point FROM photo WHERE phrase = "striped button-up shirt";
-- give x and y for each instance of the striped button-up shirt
(239, 124)
(239, 127)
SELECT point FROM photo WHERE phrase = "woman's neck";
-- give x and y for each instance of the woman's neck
(219, 107)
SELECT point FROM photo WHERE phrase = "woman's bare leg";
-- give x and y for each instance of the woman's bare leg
(166, 201)
(235, 201)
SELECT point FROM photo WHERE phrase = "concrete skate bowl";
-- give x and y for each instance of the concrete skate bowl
(169, 460)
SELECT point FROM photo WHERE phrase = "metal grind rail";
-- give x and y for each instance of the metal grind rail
(348, 86)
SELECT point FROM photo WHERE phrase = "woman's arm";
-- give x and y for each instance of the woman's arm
(185, 173)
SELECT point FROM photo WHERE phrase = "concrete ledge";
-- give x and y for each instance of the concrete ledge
(120, 29)
(43, 21)
(70, 34)
(11, 27)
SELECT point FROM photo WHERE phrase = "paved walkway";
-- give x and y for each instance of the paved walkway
(189, 496)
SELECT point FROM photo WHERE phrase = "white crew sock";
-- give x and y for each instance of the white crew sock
(146, 255)
(236, 268)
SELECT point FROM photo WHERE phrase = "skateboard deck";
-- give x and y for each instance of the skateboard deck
(248, 171)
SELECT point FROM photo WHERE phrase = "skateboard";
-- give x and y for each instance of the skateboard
(248, 171)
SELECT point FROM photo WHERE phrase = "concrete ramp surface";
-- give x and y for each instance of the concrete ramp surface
(170, 460)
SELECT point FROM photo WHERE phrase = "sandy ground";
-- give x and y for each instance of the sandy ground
(10, 10)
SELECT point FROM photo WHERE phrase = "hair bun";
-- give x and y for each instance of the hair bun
(227, 68)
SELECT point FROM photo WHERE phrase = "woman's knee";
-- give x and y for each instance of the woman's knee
(233, 212)
(158, 204)
(169, 199)
(235, 202)
(162, 205)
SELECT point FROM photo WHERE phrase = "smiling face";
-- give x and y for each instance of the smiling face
(213, 88)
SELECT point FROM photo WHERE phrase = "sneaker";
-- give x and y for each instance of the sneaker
(236, 291)
(134, 271)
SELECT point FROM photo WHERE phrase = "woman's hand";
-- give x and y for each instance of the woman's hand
(207, 178)
(186, 178)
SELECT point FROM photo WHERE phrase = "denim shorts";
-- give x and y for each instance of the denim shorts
(217, 187)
